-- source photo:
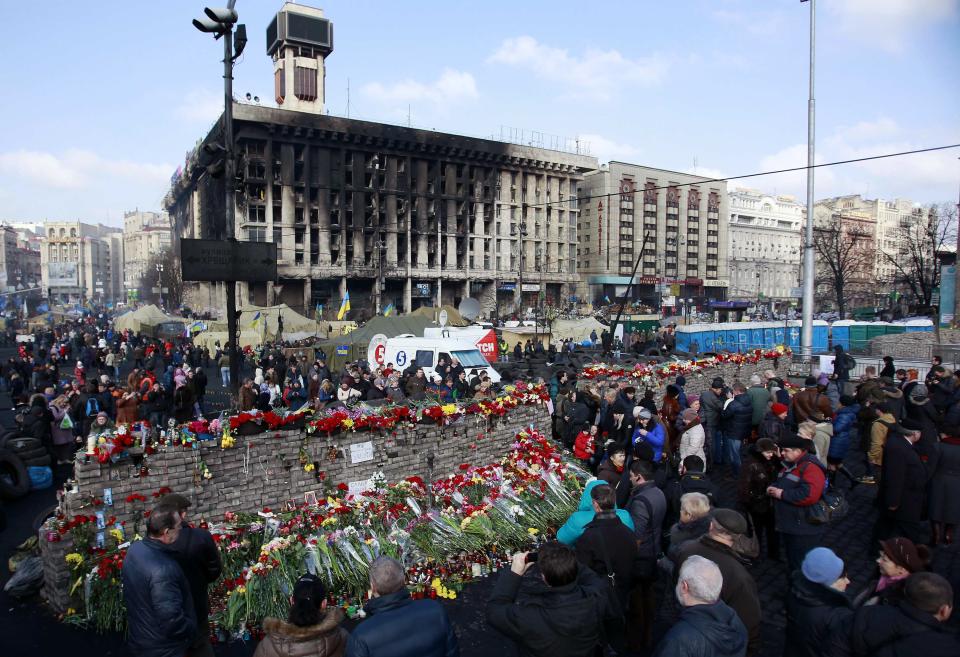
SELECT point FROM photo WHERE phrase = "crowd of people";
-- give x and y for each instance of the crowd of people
(652, 528)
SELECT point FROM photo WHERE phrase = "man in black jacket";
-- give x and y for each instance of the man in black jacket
(692, 480)
(817, 603)
(739, 590)
(902, 486)
(199, 558)
(707, 627)
(160, 616)
(736, 422)
(607, 546)
(565, 616)
(397, 625)
(915, 626)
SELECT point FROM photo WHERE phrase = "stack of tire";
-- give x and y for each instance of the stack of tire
(18, 452)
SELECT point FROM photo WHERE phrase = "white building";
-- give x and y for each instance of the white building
(81, 261)
(145, 235)
(765, 245)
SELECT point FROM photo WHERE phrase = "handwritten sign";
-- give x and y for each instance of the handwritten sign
(361, 452)
(356, 488)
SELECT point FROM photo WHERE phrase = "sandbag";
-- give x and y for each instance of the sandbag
(27, 580)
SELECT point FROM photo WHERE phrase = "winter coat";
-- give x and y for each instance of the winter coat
(822, 439)
(945, 487)
(760, 400)
(561, 621)
(655, 438)
(894, 400)
(736, 420)
(681, 532)
(756, 475)
(739, 590)
(691, 482)
(814, 613)
(710, 408)
(811, 404)
(647, 525)
(924, 416)
(842, 364)
(899, 631)
(325, 639)
(705, 631)
(691, 442)
(771, 427)
(37, 423)
(608, 473)
(199, 559)
(802, 484)
(608, 540)
(879, 430)
(398, 626)
(845, 432)
(573, 528)
(903, 480)
(248, 398)
(60, 436)
(127, 409)
(161, 621)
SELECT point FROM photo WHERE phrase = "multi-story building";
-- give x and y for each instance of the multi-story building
(392, 214)
(765, 245)
(892, 218)
(146, 235)
(19, 263)
(846, 252)
(81, 261)
(684, 219)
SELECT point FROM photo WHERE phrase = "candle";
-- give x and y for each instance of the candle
(91, 444)
(143, 438)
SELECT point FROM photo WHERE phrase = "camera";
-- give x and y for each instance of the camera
(532, 557)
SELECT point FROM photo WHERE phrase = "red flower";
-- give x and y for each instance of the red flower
(464, 466)
(343, 487)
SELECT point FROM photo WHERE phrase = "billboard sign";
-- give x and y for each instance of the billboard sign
(62, 274)
(228, 260)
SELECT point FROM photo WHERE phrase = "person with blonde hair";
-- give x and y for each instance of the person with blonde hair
(694, 521)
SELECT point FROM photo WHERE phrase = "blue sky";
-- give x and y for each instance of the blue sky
(104, 98)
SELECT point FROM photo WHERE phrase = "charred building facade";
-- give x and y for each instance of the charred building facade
(392, 214)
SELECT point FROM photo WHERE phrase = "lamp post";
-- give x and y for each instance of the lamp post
(160, 282)
(806, 336)
(523, 233)
(220, 22)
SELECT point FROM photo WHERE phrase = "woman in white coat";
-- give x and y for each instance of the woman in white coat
(693, 438)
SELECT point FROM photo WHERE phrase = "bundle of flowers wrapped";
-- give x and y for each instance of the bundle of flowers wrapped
(653, 375)
(480, 514)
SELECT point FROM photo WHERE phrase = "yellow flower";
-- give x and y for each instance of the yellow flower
(533, 531)
(347, 423)
(117, 535)
(449, 409)
(308, 467)
(332, 520)
(74, 559)
(71, 611)
(465, 522)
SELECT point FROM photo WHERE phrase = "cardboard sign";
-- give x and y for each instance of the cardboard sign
(361, 452)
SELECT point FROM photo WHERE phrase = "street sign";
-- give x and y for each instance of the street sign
(216, 260)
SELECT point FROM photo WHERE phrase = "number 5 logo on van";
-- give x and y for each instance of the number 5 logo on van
(401, 358)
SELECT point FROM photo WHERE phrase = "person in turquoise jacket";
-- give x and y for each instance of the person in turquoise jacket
(573, 528)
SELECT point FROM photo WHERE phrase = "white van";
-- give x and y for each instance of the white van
(409, 350)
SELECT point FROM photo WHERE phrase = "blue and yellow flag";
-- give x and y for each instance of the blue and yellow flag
(344, 306)
(318, 312)
(388, 310)
(256, 320)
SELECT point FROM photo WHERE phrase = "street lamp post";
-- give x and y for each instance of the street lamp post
(160, 282)
(220, 22)
(806, 336)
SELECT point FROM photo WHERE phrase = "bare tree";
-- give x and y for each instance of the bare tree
(920, 238)
(169, 278)
(844, 261)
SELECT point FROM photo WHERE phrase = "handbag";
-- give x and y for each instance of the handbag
(832, 505)
(66, 422)
(747, 545)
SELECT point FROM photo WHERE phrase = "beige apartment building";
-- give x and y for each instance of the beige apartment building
(81, 262)
(684, 218)
(145, 236)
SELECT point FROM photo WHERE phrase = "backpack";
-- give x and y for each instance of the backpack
(93, 407)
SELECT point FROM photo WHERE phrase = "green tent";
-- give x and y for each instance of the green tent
(342, 349)
(453, 315)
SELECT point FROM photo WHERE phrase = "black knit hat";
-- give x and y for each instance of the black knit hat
(792, 440)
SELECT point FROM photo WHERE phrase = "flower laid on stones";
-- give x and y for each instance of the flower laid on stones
(74, 559)
(309, 467)
(653, 375)
(204, 470)
(227, 440)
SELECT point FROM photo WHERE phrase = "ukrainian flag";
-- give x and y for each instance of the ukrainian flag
(318, 312)
(256, 320)
(388, 310)
(344, 306)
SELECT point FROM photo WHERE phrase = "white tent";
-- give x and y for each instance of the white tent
(143, 319)
(293, 322)
(576, 329)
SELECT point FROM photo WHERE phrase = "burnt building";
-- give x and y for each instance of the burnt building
(392, 214)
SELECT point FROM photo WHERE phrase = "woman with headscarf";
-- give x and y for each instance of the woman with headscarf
(62, 437)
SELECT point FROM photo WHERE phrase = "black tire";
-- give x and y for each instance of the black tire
(37, 461)
(30, 454)
(14, 481)
(22, 443)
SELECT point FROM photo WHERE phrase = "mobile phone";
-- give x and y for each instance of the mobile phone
(532, 557)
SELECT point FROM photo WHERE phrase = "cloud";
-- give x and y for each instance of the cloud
(77, 169)
(923, 177)
(451, 87)
(888, 24)
(596, 72)
(606, 150)
(200, 106)
(757, 23)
